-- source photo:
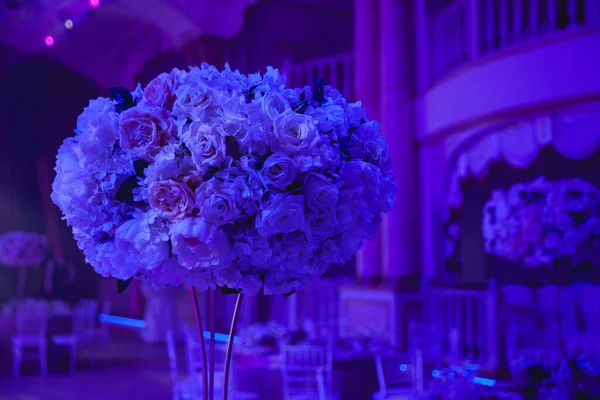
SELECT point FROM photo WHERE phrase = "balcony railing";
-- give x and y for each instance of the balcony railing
(336, 70)
(461, 31)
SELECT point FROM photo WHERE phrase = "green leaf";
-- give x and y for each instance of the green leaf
(122, 285)
(228, 290)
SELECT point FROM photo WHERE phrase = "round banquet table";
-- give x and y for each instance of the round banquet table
(353, 377)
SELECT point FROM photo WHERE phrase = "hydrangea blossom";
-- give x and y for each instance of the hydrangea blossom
(22, 249)
(220, 180)
(543, 223)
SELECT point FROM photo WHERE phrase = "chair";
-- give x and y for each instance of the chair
(552, 359)
(32, 320)
(397, 376)
(189, 386)
(182, 388)
(307, 372)
(84, 331)
(466, 322)
(103, 332)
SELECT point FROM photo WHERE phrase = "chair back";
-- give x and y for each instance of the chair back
(465, 321)
(307, 371)
(84, 317)
(32, 318)
(173, 365)
(195, 362)
(395, 372)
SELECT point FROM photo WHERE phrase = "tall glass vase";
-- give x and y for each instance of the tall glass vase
(208, 363)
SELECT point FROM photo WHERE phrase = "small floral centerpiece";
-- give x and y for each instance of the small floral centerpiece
(544, 223)
(219, 180)
(22, 249)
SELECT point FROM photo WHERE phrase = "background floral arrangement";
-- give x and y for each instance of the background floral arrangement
(220, 180)
(544, 223)
(22, 249)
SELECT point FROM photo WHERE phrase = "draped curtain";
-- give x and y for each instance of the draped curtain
(561, 146)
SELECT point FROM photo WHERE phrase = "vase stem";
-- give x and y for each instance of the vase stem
(228, 354)
(202, 344)
(211, 322)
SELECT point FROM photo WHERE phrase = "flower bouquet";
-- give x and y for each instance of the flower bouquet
(219, 180)
(544, 223)
(22, 250)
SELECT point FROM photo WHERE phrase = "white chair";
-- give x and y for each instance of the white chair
(189, 386)
(84, 333)
(397, 376)
(466, 321)
(519, 310)
(552, 359)
(183, 388)
(32, 320)
(307, 372)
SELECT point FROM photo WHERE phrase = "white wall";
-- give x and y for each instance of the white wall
(542, 74)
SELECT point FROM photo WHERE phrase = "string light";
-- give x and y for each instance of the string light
(49, 40)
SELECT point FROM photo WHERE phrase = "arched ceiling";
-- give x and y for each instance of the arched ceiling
(111, 43)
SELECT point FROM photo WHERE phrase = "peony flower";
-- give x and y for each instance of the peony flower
(141, 244)
(220, 202)
(69, 183)
(206, 143)
(109, 261)
(293, 132)
(283, 214)
(143, 130)
(99, 121)
(171, 199)
(278, 171)
(199, 244)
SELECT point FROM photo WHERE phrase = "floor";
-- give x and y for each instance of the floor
(128, 370)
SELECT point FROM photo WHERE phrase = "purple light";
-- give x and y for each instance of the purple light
(49, 40)
(94, 3)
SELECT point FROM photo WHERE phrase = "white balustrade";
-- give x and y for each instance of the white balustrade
(462, 31)
(336, 71)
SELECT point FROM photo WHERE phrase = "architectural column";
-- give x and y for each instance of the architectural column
(396, 61)
(366, 89)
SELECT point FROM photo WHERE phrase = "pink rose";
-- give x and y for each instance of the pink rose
(159, 92)
(143, 130)
(171, 199)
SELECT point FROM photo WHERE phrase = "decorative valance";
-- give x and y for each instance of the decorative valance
(574, 135)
